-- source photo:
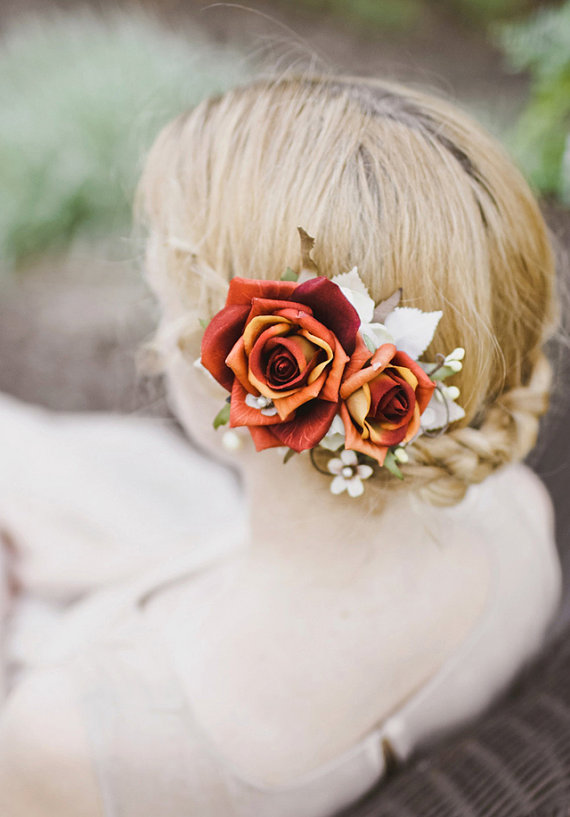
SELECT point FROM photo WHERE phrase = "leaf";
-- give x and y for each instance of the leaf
(223, 416)
(369, 343)
(203, 323)
(289, 275)
(391, 464)
(354, 290)
(290, 453)
(412, 329)
(385, 307)
(442, 372)
(351, 280)
(307, 244)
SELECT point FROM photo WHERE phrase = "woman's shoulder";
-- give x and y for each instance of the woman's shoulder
(512, 495)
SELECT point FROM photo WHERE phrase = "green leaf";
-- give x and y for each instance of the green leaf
(223, 416)
(289, 275)
(391, 463)
(290, 453)
(369, 343)
(203, 323)
(442, 373)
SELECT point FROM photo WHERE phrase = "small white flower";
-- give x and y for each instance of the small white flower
(262, 404)
(457, 354)
(401, 454)
(348, 474)
(335, 436)
(231, 441)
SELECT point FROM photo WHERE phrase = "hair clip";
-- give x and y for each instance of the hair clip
(312, 364)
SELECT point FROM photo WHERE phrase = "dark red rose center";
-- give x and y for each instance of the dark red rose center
(288, 361)
(281, 367)
(392, 399)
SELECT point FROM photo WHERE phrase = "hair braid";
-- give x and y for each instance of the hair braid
(444, 467)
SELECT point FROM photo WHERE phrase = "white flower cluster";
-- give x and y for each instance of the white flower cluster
(411, 331)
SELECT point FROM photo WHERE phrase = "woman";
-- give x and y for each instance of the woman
(278, 674)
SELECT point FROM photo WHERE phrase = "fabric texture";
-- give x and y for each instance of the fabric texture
(148, 749)
(513, 763)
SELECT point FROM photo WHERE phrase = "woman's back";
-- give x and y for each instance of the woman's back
(137, 665)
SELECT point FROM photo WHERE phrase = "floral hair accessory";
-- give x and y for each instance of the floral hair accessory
(312, 363)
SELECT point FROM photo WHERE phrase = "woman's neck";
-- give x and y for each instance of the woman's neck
(295, 518)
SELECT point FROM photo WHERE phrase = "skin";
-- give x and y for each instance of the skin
(324, 625)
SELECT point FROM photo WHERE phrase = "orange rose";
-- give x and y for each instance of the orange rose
(280, 349)
(383, 397)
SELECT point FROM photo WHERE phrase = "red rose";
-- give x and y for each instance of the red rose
(383, 396)
(280, 348)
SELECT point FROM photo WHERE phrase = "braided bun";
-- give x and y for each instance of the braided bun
(444, 467)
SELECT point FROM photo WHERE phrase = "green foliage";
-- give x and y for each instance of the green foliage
(484, 12)
(375, 15)
(222, 418)
(541, 141)
(81, 99)
(391, 464)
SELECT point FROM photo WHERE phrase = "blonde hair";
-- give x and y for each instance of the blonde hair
(392, 180)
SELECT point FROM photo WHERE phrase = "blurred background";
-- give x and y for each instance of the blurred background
(85, 87)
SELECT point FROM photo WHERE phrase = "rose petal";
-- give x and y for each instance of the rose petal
(308, 427)
(221, 335)
(414, 425)
(355, 441)
(256, 371)
(358, 404)
(285, 405)
(359, 357)
(334, 375)
(380, 435)
(268, 306)
(237, 362)
(243, 290)
(331, 308)
(263, 437)
(261, 324)
(243, 415)
(425, 387)
(378, 362)
(380, 387)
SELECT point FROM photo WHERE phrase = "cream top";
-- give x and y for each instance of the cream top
(150, 753)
